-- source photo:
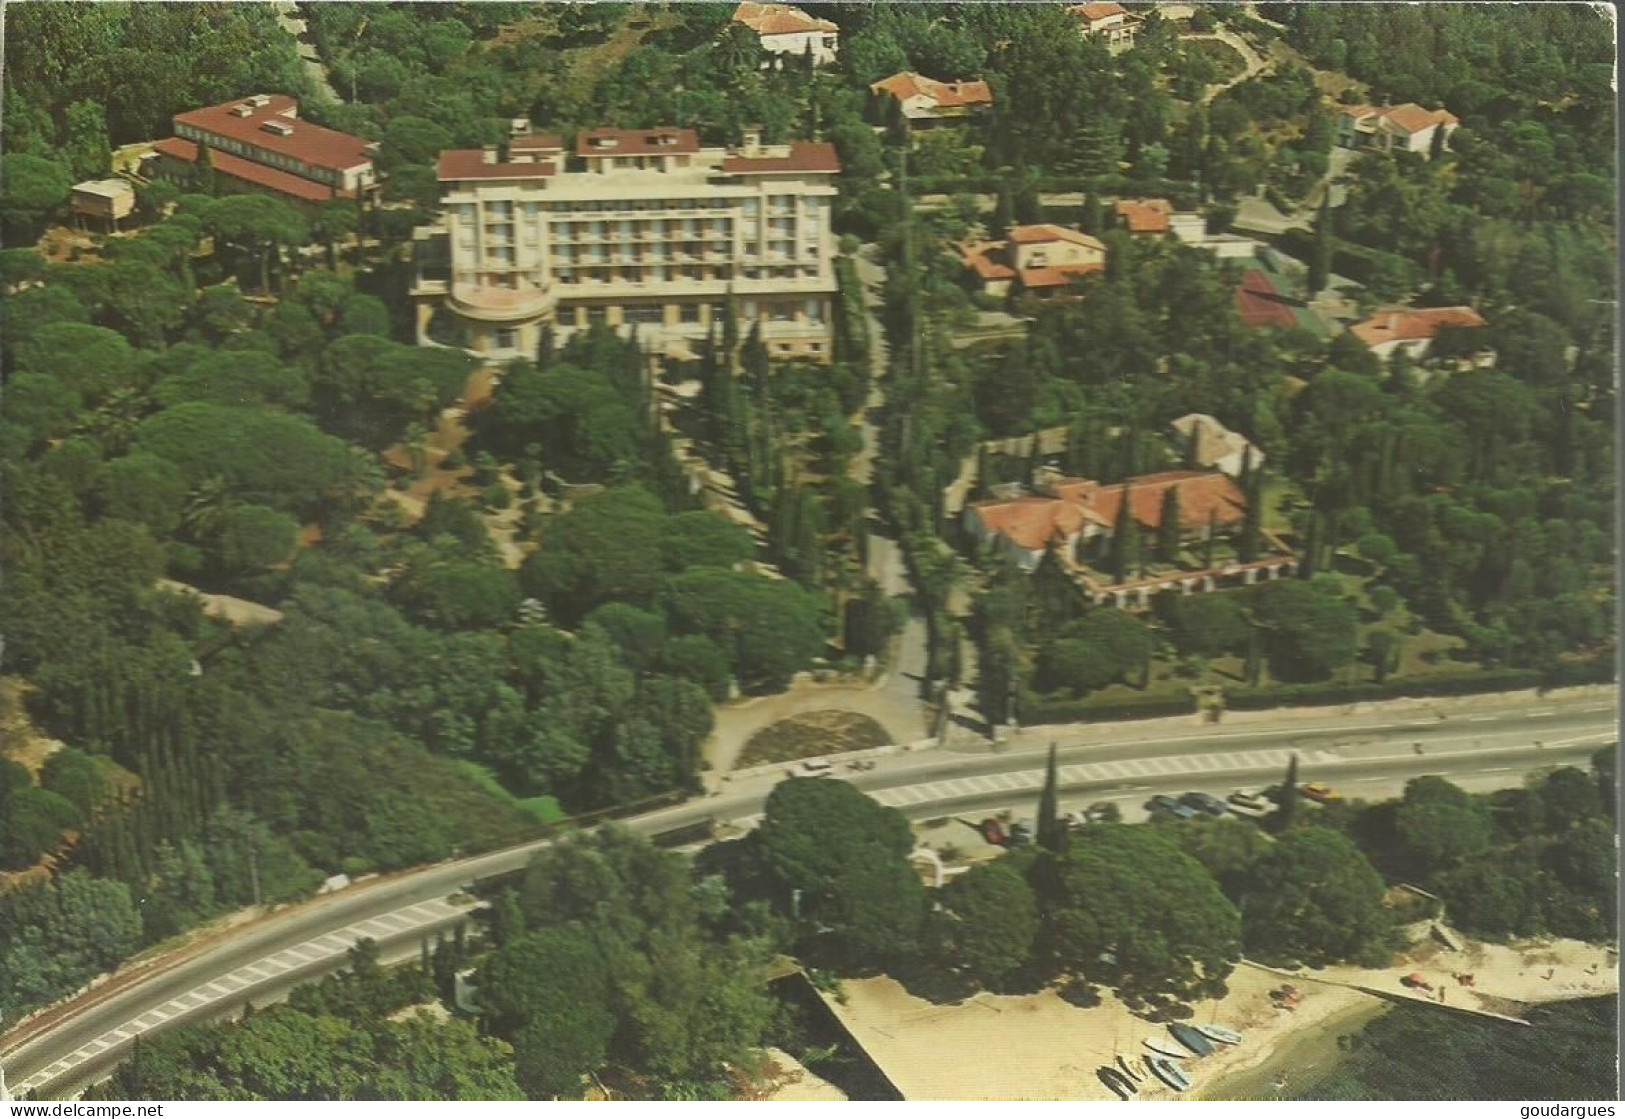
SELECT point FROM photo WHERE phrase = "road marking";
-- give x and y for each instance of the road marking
(1495, 769)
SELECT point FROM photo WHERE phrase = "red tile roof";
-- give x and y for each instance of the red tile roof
(1413, 324)
(779, 19)
(1043, 234)
(1259, 303)
(1201, 493)
(537, 141)
(1035, 521)
(637, 141)
(1145, 215)
(1094, 13)
(250, 172)
(308, 143)
(1409, 117)
(805, 155)
(946, 95)
(977, 259)
(458, 164)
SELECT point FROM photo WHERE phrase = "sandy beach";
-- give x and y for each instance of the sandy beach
(1041, 1047)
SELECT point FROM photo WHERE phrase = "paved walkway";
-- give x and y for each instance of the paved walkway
(287, 14)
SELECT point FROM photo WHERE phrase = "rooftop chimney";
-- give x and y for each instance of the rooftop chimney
(488, 154)
(753, 139)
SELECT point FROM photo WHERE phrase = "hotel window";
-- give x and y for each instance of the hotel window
(531, 209)
(500, 256)
(595, 228)
(625, 230)
(784, 202)
(748, 310)
(644, 313)
(465, 213)
(689, 312)
(752, 207)
(657, 273)
(815, 311)
(782, 312)
(595, 316)
(565, 275)
(563, 231)
(498, 211)
(659, 250)
(507, 338)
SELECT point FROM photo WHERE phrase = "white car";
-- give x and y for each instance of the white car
(812, 769)
(1246, 802)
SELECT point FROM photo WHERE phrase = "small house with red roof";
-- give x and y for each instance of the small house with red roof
(1412, 329)
(788, 31)
(1044, 258)
(1407, 127)
(926, 101)
(1111, 23)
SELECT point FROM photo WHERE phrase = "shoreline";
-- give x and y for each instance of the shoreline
(1305, 1047)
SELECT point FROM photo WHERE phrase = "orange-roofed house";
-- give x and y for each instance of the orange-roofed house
(1045, 258)
(258, 143)
(1111, 23)
(1071, 514)
(1404, 128)
(788, 31)
(927, 101)
(1412, 329)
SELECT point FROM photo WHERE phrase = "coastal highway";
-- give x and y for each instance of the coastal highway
(1481, 746)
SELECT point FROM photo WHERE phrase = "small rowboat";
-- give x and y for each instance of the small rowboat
(1163, 1049)
(1220, 1034)
(1169, 1073)
(1128, 1070)
(1117, 1082)
(1191, 1039)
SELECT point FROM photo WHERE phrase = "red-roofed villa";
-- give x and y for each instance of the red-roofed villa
(1046, 258)
(1407, 127)
(926, 101)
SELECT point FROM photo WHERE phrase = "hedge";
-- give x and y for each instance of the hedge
(1038, 712)
(1035, 711)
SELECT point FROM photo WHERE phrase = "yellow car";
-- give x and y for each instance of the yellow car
(1321, 793)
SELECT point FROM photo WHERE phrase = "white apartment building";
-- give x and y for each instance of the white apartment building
(637, 229)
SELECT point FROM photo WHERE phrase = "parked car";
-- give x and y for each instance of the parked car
(1021, 834)
(1164, 803)
(1248, 803)
(1321, 793)
(813, 769)
(1205, 802)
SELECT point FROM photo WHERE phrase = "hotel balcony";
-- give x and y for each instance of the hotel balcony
(488, 304)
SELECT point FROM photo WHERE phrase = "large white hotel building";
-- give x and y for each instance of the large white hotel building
(637, 229)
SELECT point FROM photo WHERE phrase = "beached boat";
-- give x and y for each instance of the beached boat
(1117, 1082)
(1128, 1069)
(1191, 1039)
(1220, 1034)
(1164, 1049)
(1169, 1073)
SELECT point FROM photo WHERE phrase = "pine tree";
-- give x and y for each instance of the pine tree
(1051, 832)
(1212, 535)
(1125, 545)
(1320, 255)
(1170, 532)
(1004, 214)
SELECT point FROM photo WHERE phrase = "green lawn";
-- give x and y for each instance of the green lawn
(543, 809)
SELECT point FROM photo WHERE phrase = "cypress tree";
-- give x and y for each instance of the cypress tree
(1253, 523)
(1207, 544)
(205, 169)
(544, 347)
(1289, 795)
(1093, 217)
(1170, 532)
(1125, 545)
(1320, 255)
(1051, 832)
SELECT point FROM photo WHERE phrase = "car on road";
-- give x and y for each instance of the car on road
(1321, 793)
(1245, 802)
(812, 769)
(1204, 802)
(1165, 804)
